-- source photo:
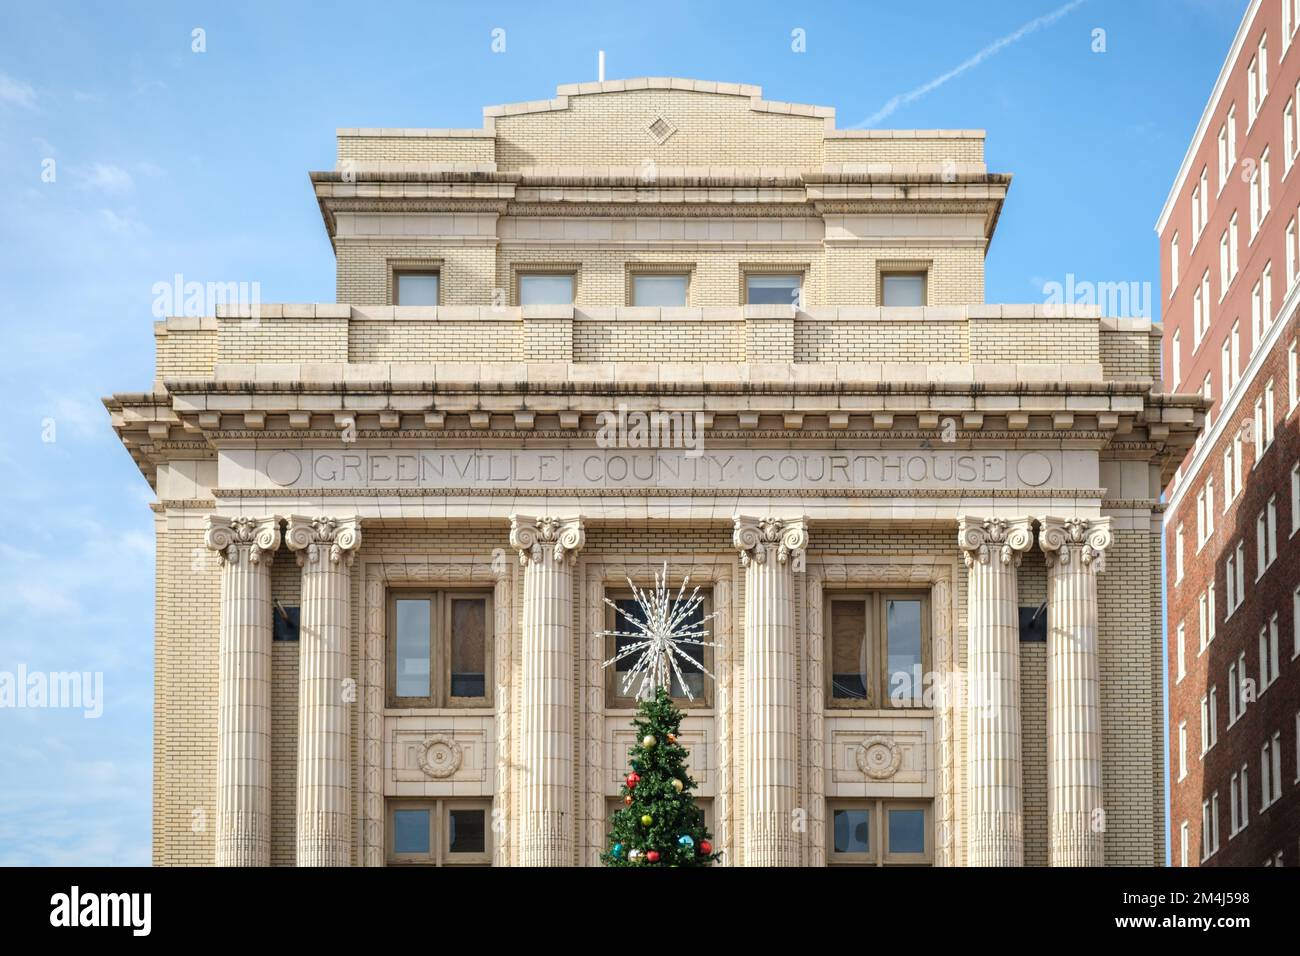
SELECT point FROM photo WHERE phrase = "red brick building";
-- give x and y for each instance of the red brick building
(1230, 259)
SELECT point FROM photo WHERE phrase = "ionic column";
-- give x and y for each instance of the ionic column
(325, 549)
(992, 549)
(547, 550)
(770, 549)
(1075, 550)
(245, 547)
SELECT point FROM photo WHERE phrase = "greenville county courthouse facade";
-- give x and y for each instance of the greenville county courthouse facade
(387, 527)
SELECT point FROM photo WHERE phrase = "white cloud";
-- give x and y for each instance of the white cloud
(17, 92)
(122, 225)
(997, 46)
(84, 419)
(105, 177)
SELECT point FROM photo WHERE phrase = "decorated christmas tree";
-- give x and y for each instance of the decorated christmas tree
(659, 823)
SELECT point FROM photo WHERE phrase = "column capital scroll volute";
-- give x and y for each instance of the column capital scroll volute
(228, 537)
(1062, 539)
(757, 539)
(530, 535)
(338, 538)
(982, 538)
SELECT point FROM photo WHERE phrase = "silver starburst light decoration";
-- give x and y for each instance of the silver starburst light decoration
(657, 639)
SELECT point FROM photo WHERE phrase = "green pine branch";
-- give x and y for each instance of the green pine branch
(675, 830)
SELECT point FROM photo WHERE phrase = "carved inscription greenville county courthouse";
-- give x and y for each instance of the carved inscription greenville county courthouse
(901, 469)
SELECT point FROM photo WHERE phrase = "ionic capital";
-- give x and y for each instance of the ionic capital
(981, 538)
(529, 536)
(310, 537)
(1064, 540)
(259, 538)
(757, 539)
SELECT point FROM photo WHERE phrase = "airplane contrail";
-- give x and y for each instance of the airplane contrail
(997, 45)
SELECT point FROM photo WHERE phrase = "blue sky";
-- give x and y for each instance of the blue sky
(169, 161)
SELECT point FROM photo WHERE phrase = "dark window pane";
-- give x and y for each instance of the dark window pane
(771, 290)
(286, 622)
(1033, 624)
(903, 634)
(546, 290)
(903, 289)
(412, 648)
(416, 288)
(468, 647)
(853, 831)
(692, 674)
(906, 831)
(849, 650)
(628, 616)
(468, 832)
(410, 831)
(662, 291)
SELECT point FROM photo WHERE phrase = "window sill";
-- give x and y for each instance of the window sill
(917, 712)
(481, 710)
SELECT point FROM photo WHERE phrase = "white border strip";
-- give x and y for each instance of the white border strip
(1247, 22)
(1229, 409)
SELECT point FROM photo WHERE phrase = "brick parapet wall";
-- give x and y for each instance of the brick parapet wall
(1125, 349)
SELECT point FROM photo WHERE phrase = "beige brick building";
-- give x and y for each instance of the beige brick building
(387, 528)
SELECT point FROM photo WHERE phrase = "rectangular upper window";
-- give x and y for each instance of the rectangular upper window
(626, 617)
(902, 288)
(662, 291)
(438, 833)
(773, 289)
(546, 289)
(439, 648)
(878, 646)
(415, 288)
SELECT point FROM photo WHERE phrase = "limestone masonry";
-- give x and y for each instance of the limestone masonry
(387, 528)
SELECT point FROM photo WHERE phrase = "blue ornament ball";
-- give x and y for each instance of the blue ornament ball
(617, 851)
(685, 840)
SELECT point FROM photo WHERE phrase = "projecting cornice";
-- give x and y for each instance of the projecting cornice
(775, 402)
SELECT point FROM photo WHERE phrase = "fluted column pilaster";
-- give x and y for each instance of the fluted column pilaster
(1075, 550)
(245, 546)
(547, 549)
(770, 550)
(992, 550)
(325, 549)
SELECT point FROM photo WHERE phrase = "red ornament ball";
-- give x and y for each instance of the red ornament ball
(706, 847)
(652, 856)
(633, 779)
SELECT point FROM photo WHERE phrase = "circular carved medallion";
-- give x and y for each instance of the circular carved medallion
(440, 756)
(1034, 468)
(879, 758)
(284, 468)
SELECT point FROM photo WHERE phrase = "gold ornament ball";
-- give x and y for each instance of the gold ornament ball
(648, 741)
(627, 801)
(672, 738)
(677, 785)
(647, 820)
